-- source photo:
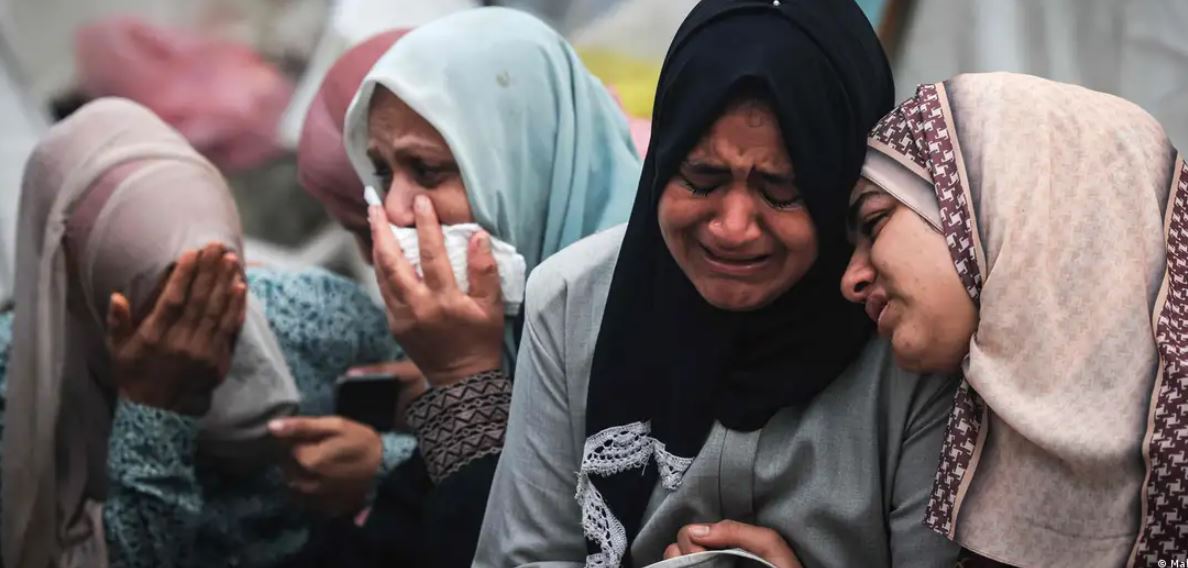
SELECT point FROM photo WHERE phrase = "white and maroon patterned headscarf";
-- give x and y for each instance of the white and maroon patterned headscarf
(1064, 211)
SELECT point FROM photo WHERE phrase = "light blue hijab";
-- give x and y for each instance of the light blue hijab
(543, 149)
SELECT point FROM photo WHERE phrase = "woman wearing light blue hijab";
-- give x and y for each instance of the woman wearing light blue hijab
(489, 144)
(491, 116)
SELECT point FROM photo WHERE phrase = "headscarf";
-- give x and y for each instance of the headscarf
(126, 195)
(667, 365)
(323, 168)
(543, 149)
(1064, 214)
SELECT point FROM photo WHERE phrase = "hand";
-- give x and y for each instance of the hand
(762, 542)
(333, 462)
(182, 349)
(412, 384)
(449, 334)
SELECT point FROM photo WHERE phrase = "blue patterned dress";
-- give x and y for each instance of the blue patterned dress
(166, 510)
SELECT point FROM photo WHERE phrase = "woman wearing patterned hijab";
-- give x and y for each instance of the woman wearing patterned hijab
(1029, 234)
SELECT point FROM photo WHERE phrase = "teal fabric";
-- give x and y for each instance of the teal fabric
(543, 149)
(166, 508)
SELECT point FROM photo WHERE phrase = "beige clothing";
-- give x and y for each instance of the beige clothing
(1052, 199)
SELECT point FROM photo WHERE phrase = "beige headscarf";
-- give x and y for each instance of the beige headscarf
(1053, 201)
(126, 195)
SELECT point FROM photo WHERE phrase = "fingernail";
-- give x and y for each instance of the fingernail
(699, 530)
(421, 203)
(484, 240)
(276, 426)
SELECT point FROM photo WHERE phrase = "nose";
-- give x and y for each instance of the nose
(860, 274)
(398, 203)
(735, 224)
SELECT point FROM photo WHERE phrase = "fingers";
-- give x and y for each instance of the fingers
(685, 538)
(233, 316)
(435, 263)
(119, 321)
(397, 279)
(205, 279)
(672, 551)
(172, 300)
(760, 541)
(482, 271)
(306, 429)
(209, 330)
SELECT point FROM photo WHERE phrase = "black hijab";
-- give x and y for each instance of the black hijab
(666, 361)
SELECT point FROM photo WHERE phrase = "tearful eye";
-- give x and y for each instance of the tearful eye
(693, 187)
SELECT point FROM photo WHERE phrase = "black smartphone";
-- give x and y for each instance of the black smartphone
(368, 399)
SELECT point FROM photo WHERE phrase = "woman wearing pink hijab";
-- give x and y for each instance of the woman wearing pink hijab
(323, 168)
(147, 367)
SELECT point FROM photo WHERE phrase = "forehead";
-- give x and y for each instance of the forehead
(862, 188)
(388, 117)
(746, 127)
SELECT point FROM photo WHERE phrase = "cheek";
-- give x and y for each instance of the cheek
(677, 213)
(793, 231)
(451, 203)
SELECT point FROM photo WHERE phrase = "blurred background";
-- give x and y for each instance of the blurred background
(236, 76)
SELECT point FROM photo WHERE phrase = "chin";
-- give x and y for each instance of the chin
(736, 297)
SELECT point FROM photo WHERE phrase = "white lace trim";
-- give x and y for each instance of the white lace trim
(611, 451)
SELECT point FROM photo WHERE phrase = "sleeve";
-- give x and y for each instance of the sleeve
(154, 502)
(532, 518)
(461, 423)
(912, 543)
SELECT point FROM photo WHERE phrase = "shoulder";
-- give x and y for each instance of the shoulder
(907, 401)
(584, 266)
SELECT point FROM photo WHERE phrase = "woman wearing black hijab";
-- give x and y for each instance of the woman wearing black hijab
(700, 364)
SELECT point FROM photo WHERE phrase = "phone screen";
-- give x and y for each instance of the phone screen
(368, 399)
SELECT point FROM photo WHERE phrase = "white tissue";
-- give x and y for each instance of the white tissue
(511, 265)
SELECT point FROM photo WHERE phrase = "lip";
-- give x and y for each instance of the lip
(737, 265)
(876, 307)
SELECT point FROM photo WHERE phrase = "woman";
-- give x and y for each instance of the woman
(1026, 232)
(107, 455)
(323, 169)
(506, 130)
(709, 334)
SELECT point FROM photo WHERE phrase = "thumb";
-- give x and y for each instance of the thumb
(305, 428)
(119, 320)
(482, 270)
(760, 541)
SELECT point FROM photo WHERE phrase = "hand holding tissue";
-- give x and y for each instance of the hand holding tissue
(511, 265)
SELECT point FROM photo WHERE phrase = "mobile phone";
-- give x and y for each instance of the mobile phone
(368, 399)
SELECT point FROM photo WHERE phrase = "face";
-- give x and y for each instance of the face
(732, 215)
(901, 270)
(411, 158)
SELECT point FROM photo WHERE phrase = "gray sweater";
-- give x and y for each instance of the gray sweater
(844, 479)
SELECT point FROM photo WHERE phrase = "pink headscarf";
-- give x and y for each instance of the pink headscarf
(322, 165)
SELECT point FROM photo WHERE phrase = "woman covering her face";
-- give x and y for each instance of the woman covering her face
(146, 367)
(1028, 233)
(698, 369)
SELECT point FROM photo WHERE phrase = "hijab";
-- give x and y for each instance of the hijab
(543, 149)
(667, 365)
(1063, 210)
(126, 195)
(323, 168)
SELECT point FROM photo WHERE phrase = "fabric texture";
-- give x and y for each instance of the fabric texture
(323, 169)
(169, 506)
(543, 149)
(852, 465)
(1060, 208)
(86, 188)
(668, 364)
(461, 423)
